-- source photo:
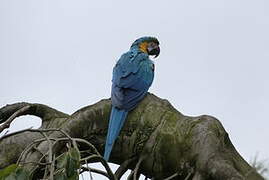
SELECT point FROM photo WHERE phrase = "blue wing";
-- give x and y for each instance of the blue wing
(132, 77)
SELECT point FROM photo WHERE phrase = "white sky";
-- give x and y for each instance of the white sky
(214, 57)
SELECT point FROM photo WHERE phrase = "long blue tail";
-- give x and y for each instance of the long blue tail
(117, 118)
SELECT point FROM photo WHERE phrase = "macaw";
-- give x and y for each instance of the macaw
(132, 76)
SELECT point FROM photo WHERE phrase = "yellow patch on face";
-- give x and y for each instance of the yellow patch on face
(143, 47)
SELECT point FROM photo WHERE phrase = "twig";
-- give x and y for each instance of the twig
(131, 175)
(171, 177)
(100, 159)
(14, 133)
(50, 155)
(137, 167)
(97, 157)
(25, 151)
(45, 172)
(30, 146)
(97, 171)
(189, 175)
(38, 163)
(124, 167)
(63, 132)
(89, 169)
(13, 116)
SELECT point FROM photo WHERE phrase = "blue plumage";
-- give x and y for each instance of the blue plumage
(116, 122)
(132, 76)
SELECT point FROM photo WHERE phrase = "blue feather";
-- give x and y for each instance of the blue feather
(116, 121)
(132, 76)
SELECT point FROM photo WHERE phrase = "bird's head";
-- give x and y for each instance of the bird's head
(148, 45)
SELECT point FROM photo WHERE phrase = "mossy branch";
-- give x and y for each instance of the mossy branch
(156, 141)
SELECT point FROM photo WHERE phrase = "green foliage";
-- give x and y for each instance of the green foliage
(13, 172)
(67, 165)
(7, 171)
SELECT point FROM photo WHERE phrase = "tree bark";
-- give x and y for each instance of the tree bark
(162, 141)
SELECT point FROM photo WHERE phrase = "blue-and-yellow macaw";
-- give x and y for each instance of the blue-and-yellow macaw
(132, 76)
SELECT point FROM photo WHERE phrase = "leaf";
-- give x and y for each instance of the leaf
(13, 172)
(68, 164)
(73, 162)
(73, 177)
(62, 161)
(7, 171)
(74, 154)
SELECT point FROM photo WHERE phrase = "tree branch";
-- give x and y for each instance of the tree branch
(171, 142)
(13, 116)
(124, 167)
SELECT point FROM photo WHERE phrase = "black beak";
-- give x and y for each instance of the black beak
(154, 51)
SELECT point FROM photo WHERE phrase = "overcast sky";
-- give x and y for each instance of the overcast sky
(214, 57)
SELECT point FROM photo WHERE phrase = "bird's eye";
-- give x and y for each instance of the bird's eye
(152, 44)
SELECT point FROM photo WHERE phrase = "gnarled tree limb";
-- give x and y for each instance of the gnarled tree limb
(170, 143)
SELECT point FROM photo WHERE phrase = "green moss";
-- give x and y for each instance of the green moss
(107, 109)
(10, 153)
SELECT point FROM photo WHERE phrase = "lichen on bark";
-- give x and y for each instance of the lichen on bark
(163, 140)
